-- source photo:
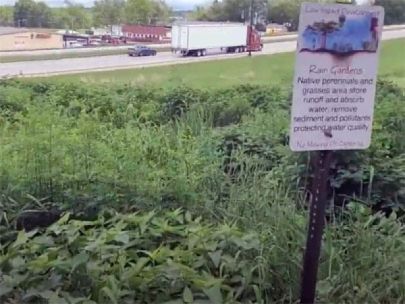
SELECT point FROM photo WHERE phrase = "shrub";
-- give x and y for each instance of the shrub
(221, 154)
(132, 258)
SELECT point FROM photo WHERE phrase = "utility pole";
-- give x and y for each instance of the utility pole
(251, 26)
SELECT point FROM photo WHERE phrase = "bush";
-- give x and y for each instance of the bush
(141, 145)
(132, 258)
(221, 154)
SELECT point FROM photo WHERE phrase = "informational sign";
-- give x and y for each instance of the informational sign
(335, 76)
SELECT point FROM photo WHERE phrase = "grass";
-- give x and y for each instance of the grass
(269, 70)
(94, 53)
(392, 63)
(24, 57)
(212, 74)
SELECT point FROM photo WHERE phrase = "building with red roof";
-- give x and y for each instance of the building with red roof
(147, 33)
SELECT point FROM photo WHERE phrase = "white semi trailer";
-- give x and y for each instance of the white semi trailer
(195, 39)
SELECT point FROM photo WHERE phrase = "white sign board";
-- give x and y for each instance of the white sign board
(335, 76)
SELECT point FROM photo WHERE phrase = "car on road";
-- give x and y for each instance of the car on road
(75, 44)
(95, 42)
(141, 50)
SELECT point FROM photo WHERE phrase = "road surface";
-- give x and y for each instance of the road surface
(115, 62)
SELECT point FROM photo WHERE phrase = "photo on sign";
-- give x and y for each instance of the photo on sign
(342, 37)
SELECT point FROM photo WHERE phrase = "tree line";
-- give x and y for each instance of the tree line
(29, 13)
(280, 11)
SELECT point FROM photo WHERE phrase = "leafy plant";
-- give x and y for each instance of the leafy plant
(221, 154)
(131, 258)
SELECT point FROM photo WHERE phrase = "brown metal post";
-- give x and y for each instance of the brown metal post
(316, 226)
(251, 28)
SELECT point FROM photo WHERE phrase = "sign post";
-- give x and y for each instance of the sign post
(316, 226)
(251, 26)
(333, 101)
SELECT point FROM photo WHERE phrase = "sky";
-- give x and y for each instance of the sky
(175, 4)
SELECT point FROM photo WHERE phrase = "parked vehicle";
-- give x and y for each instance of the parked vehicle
(75, 44)
(141, 50)
(95, 42)
(194, 39)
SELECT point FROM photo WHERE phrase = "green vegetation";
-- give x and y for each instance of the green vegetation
(231, 10)
(274, 70)
(6, 15)
(117, 258)
(108, 12)
(176, 185)
(281, 11)
(391, 66)
(212, 74)
(30, 13)
(25, 57)
(119, 161)
(394, 11)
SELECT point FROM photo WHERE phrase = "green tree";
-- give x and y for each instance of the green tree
(43, 15)
(32, 14)
(199, 13)
(216, 12)
(232, 10)
(24, 12)
(6, 15)
(77, 15)
(394, 11)
(138, 11)
(288, 11)
(237, 10)
(160, 13)
(146, 11)
(60, 18)
(108, 12)
(285, 12)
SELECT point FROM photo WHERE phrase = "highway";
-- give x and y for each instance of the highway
(115, 62)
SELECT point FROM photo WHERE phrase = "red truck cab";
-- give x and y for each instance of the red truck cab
(254, 41)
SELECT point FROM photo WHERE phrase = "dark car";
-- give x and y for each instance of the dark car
(141, 50)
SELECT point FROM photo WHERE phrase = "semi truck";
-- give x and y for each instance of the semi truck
(195, 39)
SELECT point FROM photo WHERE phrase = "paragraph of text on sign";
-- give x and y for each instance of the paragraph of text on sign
(331, 102)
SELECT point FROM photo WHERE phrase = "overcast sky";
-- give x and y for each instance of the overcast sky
(176, 4)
